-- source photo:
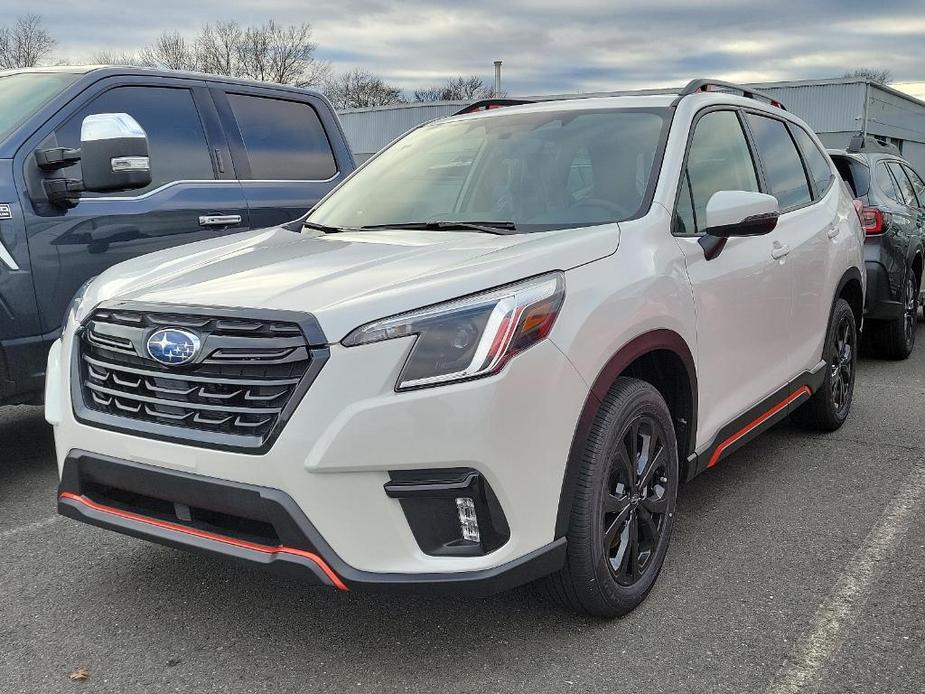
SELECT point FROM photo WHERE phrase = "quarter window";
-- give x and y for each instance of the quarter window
(917, 184)
(905, 185)
(886, 183)
(176, 141)
(718, 159)
(816, 161)
(285, 140)
(783, 168)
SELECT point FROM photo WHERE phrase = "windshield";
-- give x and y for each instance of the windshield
(24, 93)
(528, 171)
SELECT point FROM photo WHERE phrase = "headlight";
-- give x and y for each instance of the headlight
(73, 308)
(471, 337)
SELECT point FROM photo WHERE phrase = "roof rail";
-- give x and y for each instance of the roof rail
(491, 104)
(859, 143)
(708, 85)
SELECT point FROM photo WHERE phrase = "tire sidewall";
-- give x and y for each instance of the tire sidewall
(840, 310)
(645, 402)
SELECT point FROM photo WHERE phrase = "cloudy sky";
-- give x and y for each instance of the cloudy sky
(548, 46)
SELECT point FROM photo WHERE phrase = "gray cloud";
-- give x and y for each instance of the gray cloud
(547, 46)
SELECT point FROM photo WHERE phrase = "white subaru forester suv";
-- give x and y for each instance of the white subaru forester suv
(487, 358)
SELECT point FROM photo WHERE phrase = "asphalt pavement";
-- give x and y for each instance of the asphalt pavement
(797, 565)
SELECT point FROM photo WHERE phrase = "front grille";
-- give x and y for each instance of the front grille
(248, 374)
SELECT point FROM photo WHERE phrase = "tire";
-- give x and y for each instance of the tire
(896, 339)
(621, 521)
(829, 406)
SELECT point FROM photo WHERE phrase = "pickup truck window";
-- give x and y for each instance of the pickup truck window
(176, 141)
(24, 93)
(285, 140)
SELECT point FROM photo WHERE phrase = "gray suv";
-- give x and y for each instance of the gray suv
(893, 216)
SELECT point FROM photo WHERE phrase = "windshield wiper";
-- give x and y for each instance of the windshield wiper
(445, 225)
(325, 228)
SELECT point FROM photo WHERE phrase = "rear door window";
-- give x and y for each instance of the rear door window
(285, 140)
(816, 161)
(783, 167)
(176, 140)
(905, 185)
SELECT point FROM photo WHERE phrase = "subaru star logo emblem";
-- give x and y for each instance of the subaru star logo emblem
(173, 347)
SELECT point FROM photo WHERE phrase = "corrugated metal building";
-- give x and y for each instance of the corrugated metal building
(835, 108)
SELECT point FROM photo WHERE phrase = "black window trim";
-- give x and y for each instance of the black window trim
(907, 167)
(899, 189)
(765, 187)
(814, 193)
(211, 145)
(230, 90)
(759, 173)
(883, 163)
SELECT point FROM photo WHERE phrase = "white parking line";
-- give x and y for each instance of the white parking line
(29, 526)
(800, 672)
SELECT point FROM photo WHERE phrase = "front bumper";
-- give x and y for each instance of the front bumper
(279, 535)
(348, 437)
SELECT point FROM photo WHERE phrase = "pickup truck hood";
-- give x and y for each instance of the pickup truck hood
(345, 279)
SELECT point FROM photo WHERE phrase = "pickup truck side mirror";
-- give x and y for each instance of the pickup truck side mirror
(113, 156)
(735, 213)
(113, 153)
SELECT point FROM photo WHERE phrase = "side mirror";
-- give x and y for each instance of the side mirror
(113, 153)
(734, 213)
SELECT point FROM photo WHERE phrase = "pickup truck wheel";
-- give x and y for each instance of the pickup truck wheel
(623, 509)
(829, 406)
(896, 339)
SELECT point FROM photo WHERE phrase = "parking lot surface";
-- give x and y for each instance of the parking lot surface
(797, 565)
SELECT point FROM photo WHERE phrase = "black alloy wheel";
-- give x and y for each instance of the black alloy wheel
(842, 365)
(830, 404)
(910, 311)
(636, 500)
(895, 339)
(622, 508)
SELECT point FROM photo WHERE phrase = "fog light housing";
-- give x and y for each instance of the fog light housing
(451, 512)
(468, 522)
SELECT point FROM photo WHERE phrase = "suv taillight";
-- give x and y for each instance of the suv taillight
(872, 220)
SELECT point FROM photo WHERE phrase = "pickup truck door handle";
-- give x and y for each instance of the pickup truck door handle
(219, 220)
(778, 251)
(833, 231)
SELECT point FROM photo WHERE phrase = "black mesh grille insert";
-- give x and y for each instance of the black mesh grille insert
(240, 383)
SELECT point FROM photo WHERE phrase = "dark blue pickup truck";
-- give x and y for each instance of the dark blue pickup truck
(165, 158)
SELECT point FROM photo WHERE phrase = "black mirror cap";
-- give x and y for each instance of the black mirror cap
(113, 164)
(756, 225)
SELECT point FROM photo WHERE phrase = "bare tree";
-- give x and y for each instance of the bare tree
(217, 48)
(359, 88)
(119, 58)
(455, 89)
(269, 52)
(25, 43)
(872, 74)
(171, 50)
(284, 54)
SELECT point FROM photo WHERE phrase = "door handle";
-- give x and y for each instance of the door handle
(778, 251)
(219, 220)
(833, 232)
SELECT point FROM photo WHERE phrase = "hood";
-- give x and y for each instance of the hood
(345, 279)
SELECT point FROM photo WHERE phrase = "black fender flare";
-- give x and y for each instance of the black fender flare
(656, 340)
(852, 273)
